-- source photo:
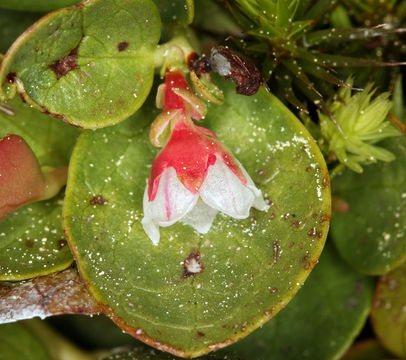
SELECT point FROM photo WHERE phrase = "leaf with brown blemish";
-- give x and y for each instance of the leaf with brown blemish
(239, 274)
(31, 238)
(72, 64)
(55, 294)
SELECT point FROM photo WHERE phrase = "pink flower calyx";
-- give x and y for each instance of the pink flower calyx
(178, 102)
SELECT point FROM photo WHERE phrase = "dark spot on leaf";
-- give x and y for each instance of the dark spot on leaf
(29, 243)
(296, 224)
(11, 77)
(192, 264)
(89, 219)
(273, 290)
(312, 232)
(276, 251)
(199, 333)
(305, 258)
(272, 216)
(325, 218)
(308, 169)
(62, 243)
(325, 182)
(62, 66)
(56, 116)
(98, 200)
(260, 172)
(122, 45)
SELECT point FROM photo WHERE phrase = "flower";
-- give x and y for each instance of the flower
(194, 177)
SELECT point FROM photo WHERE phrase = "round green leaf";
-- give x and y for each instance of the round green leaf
(91, 64)
(36, 5)
(252, 267)
(371, 235)
(18, 343)
(31, 239)
(389, 311)
(321, 321)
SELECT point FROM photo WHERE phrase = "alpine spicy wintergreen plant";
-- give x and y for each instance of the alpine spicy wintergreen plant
(363, 122)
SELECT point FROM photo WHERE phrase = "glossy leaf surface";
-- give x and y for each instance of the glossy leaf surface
(320, 322)
(371, 235)
(79, 67)
(18, 343)
(31, 239)
(176, 11)
(252, 267)
(388, 313)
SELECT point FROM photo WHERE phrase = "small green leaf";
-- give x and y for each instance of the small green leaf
(36, 5)
(320, 322)
(18, 343)
(179, 12)
(388, 314)
(252, 267)
(32, 242)
(31, 239)
(83, 65)
(371, 235)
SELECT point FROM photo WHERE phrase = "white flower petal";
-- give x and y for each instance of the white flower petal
(259, 202)
(171, 203)
(224, 191)
(201, 217)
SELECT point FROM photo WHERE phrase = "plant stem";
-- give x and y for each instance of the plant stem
(58, 347)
